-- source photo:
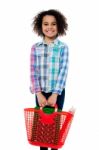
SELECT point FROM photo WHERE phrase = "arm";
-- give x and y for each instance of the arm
(34, 75)
(35, 86)
(63, 71)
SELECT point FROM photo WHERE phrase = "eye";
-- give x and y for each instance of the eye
(54, 24)
(45, 24)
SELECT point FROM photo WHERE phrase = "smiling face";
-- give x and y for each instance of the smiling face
(49, 27)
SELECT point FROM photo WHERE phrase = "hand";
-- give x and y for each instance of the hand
(52, 99)
(41, 99)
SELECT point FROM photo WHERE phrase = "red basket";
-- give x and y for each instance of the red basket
(47, 130)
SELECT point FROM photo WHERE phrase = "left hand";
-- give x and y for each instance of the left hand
(52, 99)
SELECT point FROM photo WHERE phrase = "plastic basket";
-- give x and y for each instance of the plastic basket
(47, 130)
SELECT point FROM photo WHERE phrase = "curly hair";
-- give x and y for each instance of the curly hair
(61, 21)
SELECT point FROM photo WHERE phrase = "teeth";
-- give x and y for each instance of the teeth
(49, 31)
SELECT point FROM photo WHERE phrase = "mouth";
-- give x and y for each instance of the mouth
(49, 32)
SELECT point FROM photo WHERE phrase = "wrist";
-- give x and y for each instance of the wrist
(38, 93)
(55, 95)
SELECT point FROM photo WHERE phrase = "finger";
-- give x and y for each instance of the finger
(50, 104)
(42, 104)
(46, 103)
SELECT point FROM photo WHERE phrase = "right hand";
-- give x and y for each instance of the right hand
(41, 99)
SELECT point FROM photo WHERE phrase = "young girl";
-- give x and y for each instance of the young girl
(49, 60)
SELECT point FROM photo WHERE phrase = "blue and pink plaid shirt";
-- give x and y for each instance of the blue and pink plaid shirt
(49, 67)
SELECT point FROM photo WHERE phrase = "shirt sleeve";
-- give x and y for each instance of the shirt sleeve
(61, 81)
(34, 75)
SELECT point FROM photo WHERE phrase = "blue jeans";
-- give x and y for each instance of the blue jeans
(59, 102)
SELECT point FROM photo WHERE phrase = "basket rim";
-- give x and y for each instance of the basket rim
(38, 110)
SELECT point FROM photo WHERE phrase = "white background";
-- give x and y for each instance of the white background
(16, 39)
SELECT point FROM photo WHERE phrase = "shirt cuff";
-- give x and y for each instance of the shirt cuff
(57, 92)
(35, 90)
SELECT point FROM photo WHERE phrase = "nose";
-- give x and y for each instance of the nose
(50, 26)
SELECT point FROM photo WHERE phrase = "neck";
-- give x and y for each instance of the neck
(49, 40)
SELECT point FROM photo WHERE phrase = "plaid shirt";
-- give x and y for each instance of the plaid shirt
(49, 66)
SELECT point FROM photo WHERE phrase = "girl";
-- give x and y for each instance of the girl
(49, 60)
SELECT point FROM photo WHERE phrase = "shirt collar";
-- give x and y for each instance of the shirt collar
(44, 43)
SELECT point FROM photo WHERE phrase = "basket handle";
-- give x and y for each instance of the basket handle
(55, 107)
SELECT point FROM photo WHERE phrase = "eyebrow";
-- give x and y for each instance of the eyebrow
(48, 22)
